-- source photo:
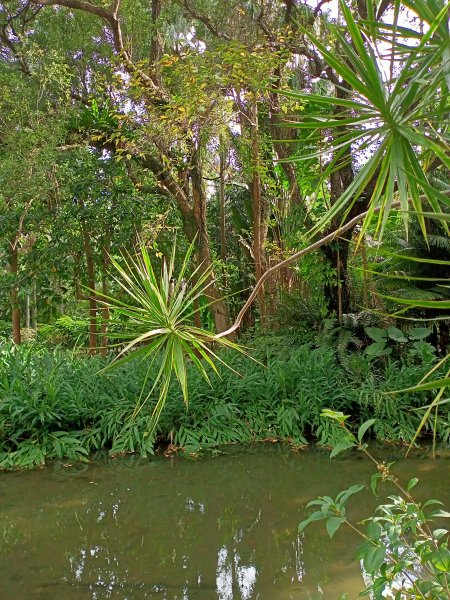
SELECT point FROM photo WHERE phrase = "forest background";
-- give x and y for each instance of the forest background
(245, 131)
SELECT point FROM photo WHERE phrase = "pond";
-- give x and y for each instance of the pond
(218, 528)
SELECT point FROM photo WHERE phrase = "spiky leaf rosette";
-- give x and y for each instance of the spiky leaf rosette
(155, 323)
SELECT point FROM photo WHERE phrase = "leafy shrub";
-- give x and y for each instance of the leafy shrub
(66, 331)
(403, 553)
(54, 404)
(5, 329)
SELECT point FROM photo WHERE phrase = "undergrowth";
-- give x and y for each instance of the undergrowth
(55, 404)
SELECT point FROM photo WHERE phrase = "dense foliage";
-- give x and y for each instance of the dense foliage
(56, 405)
(298, 154)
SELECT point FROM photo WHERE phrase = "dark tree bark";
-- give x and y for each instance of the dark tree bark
(90, 267)
(14, 294)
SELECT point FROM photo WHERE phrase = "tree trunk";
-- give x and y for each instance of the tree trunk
(339, 296)
(105, 292)
(27, 310)
(33, 305)
(223, 239)
(278, 131)
(193, 216)
(14, 294)
(219, 307)
(91, 284)
(156, 41)
(258, 235)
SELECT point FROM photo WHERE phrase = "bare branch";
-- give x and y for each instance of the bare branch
(298, 255)
(294, 258)
(205, 20)
(115, 8)
(319, 7)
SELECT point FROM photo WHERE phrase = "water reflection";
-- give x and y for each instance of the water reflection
(222, 529)
(229, 572)
(112, 537)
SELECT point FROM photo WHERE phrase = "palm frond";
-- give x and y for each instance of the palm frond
(393, 119)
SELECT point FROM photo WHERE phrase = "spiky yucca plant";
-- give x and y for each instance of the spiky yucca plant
(158, 313)
(400, 119)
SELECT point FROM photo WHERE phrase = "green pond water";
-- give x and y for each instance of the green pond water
(221, 528)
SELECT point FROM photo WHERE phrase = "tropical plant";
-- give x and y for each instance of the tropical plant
(159, 314)
(385, 341)
(397, 119)
(403, 553)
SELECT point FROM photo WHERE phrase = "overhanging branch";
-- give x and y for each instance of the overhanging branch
(294, 258)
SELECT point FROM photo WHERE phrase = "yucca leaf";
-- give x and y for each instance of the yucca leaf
(415, 303)
(159, 329)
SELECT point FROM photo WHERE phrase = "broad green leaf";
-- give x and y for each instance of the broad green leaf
(333, 524)
(343, 496)
(377, 349)
(374, 558)
(419, 333)
(315, 516)
(374, 530)
(376, 333)
(438, 534)
(440, 558)
(412, 483)
(395, 334)
(364, 427)
(341, 447)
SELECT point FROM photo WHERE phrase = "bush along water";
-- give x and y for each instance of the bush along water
(57, 405)
(404, 553)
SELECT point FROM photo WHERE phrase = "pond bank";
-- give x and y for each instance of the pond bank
(55, 405)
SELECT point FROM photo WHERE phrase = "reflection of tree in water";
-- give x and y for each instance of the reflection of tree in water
(230, 573)
(162, 560)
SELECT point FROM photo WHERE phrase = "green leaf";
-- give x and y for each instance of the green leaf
(378, 349)
(333, 524)
(440, 533)
(336, 415)
(364, 427)
(315, 516)
(419, 333)
(374, 531)
(376, 333)
(341, 447)
(442, 514)
(440, 558)
(396, 335)
(412, 483)
(343, 496)
(374, 558)
(430, 385)
(374, 482)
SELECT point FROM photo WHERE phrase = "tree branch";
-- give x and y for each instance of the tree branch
(203, 19)
(112, 20)
(319, 7)
(294, 258)
(77, 5)
(298, 255)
